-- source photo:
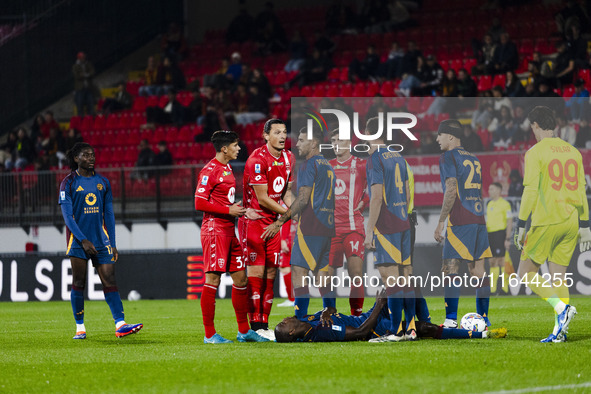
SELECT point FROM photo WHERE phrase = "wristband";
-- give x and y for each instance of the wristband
(583, 224)
(521, 223)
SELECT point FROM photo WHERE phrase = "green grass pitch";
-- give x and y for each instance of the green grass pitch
(37, 353)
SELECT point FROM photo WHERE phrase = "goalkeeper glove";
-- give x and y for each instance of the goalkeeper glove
(519, 234)
(585, 239)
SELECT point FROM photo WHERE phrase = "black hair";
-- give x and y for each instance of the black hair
(223, 138)
(372, 125)
(270, 123)
(543, 116)
(317, 134)
(451, 127)
(74, 152)
(282, 336)
(497, 184)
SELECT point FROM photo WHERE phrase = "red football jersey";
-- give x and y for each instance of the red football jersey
(217, 185)
(350, 190)
(262, 168)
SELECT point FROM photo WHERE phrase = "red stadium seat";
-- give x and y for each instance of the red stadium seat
(499, 80)
(87, 123)
(484, 83)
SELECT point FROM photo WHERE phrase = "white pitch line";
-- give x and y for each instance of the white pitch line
(542, 388)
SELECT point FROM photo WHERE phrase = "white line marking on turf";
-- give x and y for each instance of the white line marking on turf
(542, 388)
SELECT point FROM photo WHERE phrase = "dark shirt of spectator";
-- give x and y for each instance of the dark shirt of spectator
(169, 73)
(506, 57)
(470, 140)
(323, 44)
(516, 184)
(513, 86)
(409, 60)
(465, 87)
(122, 100)
(174, 43)
(241, 28)
(564, 65)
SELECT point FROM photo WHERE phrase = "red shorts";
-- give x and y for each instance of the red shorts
(222, 254)
(349, 244)
(255, 250)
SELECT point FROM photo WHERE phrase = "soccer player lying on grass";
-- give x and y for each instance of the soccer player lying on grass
(329, 326)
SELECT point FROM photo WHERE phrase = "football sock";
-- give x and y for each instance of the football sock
(483, 298)
(208, 309)
(77, 300)
(558, 305)
(268, 300)
(356, 299)
(328, 298)
(255, 285)
(555, 330)
(395, 303)
(119, 324)
(114, 301)
(288, 285)
(80, 327)
(457, 333)
(505, 280)
(452, 295)
(421, 306)
(240, 304)
(549, 294)
(494, 277)
(409, 307)
(301, 301)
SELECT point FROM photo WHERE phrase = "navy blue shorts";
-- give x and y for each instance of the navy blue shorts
(392, 248)
(104, 256)
(466, 242)
(311, 251)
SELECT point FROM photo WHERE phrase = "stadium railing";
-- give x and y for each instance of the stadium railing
(146, 194)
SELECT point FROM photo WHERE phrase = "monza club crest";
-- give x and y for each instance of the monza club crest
(253, 256)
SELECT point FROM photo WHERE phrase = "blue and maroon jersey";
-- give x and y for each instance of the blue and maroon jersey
(389, 170)
(317, 218)
(87, 207)
(465, 167)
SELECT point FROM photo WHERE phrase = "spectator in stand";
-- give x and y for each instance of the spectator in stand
(577, 46)
(366, 68)
(410, 59)
(37, 127)
(163, 158)
(431, 83)
(572, 14)
(584, 135)
(241, 28)
(54, 147)
(172, 113)
(85, 91)
(149, 88)
(449, 85)
(499, 99)
(271, 38)
(122, 100)
(195, 110)
(259, 79)
(496, 30)
(324, 44)
(174, 44)
(530, 90)
(392, 68)
(578, 103)
(234, 71)
(485, 113)
(516, 184)
(340, 18)
(169, 76)
(50, 123)
(315, 69)
(246, 74)
(429, 145)
(534, 67)
(225, 106)
(8, 190)
(297, 50)
(145, 159)
(502, 127)
(411, 82)
(484, 54)
(565, 131)
(563, 67)
(523, 125)
(373, 13)
(7, 148)
(471, 141)
(506, 57)
(513, 86)
(23, 152)
(73, 136)
(466, 87)
(258, 107)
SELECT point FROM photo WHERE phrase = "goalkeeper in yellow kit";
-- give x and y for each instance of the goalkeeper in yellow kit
(554, 195)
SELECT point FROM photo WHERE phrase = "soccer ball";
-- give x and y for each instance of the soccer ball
(134, 296)
(473, 322)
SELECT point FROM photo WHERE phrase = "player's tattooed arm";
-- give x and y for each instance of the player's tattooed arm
(297, 206)
(451, 185)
